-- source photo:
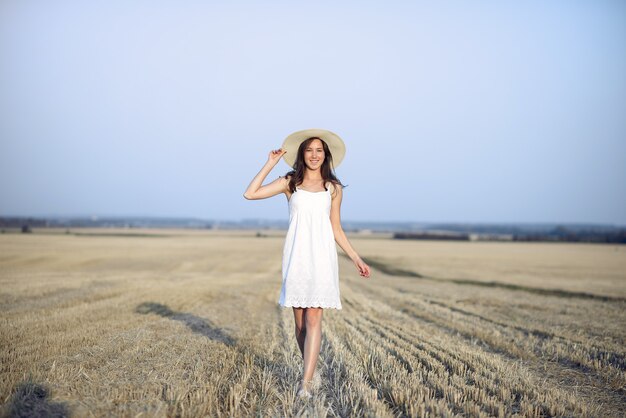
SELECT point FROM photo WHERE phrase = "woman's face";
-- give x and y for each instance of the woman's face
(314, 155)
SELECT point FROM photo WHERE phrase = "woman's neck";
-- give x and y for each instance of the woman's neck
(312, 175)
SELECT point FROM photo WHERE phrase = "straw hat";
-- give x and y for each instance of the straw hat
(334, 142)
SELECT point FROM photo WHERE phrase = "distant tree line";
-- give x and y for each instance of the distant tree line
(431, 236)
(558, 234)
(562, 233)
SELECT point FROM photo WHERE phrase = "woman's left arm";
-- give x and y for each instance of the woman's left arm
(340, 235)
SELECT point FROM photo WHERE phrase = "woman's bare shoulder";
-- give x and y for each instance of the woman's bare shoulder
(334, 188)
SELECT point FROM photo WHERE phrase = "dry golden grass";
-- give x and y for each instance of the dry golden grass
(185, 323)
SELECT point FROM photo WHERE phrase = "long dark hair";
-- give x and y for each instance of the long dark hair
(327, 169)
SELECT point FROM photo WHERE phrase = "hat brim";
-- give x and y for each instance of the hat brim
(334, 142)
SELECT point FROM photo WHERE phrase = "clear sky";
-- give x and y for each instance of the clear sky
(481, 111)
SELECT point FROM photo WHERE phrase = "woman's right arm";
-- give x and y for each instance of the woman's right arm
(256, 191)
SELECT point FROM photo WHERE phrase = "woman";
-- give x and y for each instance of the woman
(310, 269)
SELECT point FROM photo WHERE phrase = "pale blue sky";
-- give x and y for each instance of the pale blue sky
(485, 111)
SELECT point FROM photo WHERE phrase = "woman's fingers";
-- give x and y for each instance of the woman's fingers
(364, 269)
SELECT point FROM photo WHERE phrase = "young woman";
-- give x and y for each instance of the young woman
(310, 269)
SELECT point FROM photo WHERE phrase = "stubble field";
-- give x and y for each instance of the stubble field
(185, 323)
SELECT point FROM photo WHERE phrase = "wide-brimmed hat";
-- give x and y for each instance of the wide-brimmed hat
(334, 142)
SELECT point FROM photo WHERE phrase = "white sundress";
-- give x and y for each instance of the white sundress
(310, 269)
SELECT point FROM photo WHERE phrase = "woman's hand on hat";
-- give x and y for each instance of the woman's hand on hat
(275, 156)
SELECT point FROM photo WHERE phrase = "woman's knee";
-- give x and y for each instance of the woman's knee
(313, 317)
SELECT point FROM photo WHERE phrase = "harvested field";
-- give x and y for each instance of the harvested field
(186, 323)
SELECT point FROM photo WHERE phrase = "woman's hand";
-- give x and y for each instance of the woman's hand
(362, 268)
(275, 155)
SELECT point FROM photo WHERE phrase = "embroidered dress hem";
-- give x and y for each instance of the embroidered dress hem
(316, 306)
(294, 303)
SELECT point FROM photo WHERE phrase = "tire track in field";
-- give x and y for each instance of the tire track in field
(480, 382)
(347, 390)
(539, 361)
(605, 357)
(418, 371)
(522, 345)
(475, 371)
(376, 384)
(597, 392)
(62, 298)
(426, 361)
(583, 356)
(390, 270)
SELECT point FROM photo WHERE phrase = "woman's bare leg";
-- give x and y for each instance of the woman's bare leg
(298, 316)
(313, 340)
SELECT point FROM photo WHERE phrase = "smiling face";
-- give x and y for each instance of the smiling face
(314, 154)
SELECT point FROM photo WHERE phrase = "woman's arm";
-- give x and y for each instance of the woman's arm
(255, 190)
(340, 235)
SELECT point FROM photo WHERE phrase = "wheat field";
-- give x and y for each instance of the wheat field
(179, 323)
